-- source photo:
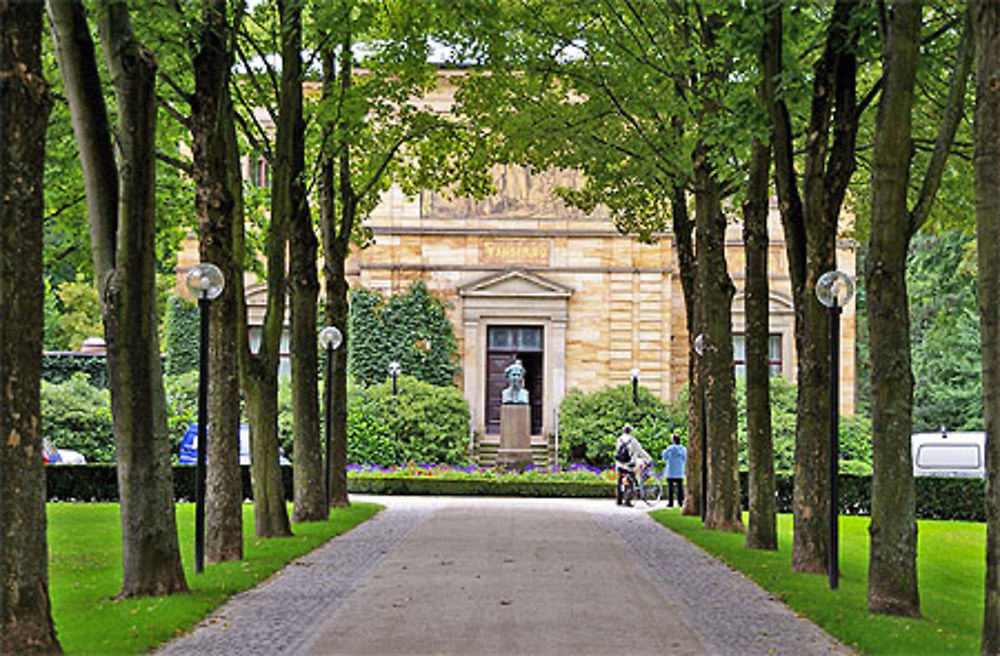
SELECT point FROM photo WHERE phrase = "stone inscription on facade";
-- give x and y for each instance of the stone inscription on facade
(534, 252)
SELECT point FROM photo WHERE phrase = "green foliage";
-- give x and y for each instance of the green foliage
(79, 312)
(76, 415)
(181, 335)
(60, 368)
(410, 327)
(855, 431)
(590, 423)
(182, 405)
(421, 423)
(944, 334)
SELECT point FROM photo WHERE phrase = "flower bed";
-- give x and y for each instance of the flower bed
(420, 479)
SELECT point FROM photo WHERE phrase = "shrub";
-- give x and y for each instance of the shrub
(182, 405)
(180, 336)
(421, 423)
(855, 431)
(58, 368)
(589, 424)
(76, 415)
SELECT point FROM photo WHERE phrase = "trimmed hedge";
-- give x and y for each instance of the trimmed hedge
(937, 498)
(60, 366)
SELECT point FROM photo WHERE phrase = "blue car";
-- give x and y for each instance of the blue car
(189, 447)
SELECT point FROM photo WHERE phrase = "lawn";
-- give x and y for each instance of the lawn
(85, 570)
(951, 570)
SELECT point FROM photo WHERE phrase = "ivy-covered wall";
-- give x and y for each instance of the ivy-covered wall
(410, 327)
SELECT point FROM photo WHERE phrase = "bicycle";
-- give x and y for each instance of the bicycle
(643, 485)
(650, 486)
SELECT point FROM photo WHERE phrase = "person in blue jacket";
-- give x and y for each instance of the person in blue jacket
(675, 456)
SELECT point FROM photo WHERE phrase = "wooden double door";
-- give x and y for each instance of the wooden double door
(504, 344)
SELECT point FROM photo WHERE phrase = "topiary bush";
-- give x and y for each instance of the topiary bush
(421, 423)
(76, 415)
(411, 328)
(590, 423)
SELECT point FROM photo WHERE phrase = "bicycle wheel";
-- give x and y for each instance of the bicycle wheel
(652, 491)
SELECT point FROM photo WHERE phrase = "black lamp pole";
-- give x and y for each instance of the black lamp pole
(635, 387)
(394, 370)
(833, 567)
(328, 420)
(206, 282)
(330, 339)
(199, 491)
(704, 449)
(834, 289)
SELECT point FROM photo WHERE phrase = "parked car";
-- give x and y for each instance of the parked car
(54, 456)
(189, 447)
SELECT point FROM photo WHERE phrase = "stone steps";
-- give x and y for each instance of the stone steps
(485, 451)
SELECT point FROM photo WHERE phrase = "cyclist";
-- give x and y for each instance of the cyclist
(629, 455)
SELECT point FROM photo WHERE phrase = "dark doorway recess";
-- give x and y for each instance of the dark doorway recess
(504, 343)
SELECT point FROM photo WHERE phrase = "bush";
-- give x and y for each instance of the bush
(182, 406)
(589, 424)
(422, 423)
(180, 336)
(76, 415)
(855, 431)
(58, 368)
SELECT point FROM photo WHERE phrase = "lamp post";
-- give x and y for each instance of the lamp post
(834, 289)
(394, 369)
(330, 339)
(699, 348)
(635, 386)
(205, 281)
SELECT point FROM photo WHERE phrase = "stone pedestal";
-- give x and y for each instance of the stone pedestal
(515, 434)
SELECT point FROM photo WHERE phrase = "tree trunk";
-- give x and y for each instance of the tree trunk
(987, 172)
(810, 227)
(310, 502)
(892, 572)
(260, 371)
(723, 507)
(25, 611)
(762, 533)
(152, 563)
(215, 189)
(688, 266)
(123, 244)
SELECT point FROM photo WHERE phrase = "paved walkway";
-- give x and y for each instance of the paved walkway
(443, 575)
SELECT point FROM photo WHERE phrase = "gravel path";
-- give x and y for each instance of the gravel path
(437, 575)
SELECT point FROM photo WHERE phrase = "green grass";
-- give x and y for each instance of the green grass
(951, 569)
(85, 571)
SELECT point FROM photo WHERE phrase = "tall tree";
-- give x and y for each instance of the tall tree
(303, 286)
(762, 525)
(987, 175)
(375, 58)
(218, 208)
(892, 568)
(121, 208)
(25, 610)
(810, 219)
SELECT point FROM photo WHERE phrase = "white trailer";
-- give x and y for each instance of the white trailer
(959, 454)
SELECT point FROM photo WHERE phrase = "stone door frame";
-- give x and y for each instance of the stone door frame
(514, 297)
